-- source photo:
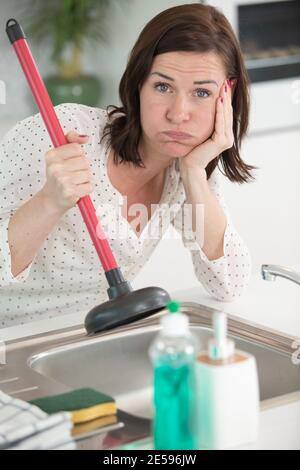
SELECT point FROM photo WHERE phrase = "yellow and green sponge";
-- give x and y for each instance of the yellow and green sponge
(84, 404)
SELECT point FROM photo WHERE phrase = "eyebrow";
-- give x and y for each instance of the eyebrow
(199, 82)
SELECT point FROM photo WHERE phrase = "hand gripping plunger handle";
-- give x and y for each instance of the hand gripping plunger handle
(18, 40)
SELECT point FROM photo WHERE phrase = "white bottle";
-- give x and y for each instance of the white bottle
(228, 392)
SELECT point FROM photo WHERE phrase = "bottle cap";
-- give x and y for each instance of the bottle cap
(175, 323)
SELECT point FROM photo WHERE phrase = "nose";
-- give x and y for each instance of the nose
(178, 110)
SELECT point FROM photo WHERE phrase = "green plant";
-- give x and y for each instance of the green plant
(68, 24)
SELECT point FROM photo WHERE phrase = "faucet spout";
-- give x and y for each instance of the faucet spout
(269, 272)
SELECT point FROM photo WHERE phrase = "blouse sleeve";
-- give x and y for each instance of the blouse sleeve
(23, 174)
(224, 278)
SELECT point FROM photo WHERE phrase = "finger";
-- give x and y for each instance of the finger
(67, 151)
(74, 136)
(81, 177)
(228, 111)
(224, 95)
(230, 96)
(220, 121)
(229, 93)
(77, 164)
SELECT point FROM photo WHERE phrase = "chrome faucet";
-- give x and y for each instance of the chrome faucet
(269, 272)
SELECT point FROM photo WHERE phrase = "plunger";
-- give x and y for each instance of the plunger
(124, 305)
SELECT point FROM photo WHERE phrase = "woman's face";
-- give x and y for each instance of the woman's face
(171, 101)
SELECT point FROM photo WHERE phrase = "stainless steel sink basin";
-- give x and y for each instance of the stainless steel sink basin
(117, 363)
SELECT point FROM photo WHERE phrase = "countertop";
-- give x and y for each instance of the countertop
(275, 305)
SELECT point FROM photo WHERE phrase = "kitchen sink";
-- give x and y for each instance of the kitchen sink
(117, 363)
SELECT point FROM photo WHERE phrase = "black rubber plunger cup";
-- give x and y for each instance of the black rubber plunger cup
(124, 304)
(126, 307)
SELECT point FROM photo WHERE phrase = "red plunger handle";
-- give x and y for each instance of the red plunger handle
(45, 106)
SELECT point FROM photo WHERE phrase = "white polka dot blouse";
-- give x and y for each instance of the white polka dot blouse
(66, 276)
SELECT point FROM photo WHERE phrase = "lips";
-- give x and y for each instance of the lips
(178, 135)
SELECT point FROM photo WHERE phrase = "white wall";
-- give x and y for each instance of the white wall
(267, 211)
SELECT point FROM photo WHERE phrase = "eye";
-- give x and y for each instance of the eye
(161, 84)
(163, 87)
(201, 90)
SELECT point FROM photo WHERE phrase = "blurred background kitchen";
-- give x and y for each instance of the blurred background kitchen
(86, 67)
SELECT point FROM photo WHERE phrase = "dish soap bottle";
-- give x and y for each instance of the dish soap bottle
(228, 392)
(173, 354)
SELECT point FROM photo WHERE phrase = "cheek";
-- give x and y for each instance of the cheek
(152, 114)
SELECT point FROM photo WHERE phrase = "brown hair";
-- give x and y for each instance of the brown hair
(189, 27)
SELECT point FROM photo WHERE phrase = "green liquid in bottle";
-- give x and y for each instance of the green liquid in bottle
(175, 416)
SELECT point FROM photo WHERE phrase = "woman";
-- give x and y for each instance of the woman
(185, 108)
